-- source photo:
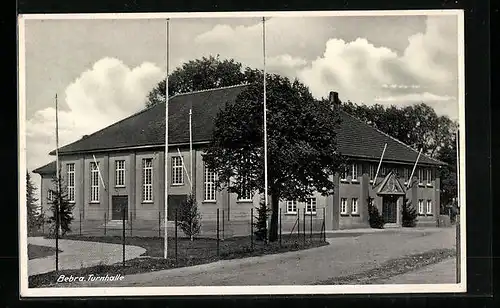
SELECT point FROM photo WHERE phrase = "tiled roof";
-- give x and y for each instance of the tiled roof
(358, 139)
(49, 168)
(147, 128)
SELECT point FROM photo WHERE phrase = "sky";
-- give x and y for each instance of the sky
(102, 70)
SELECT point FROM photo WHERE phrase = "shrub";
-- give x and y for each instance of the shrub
(409, 214)
(189, 218)
(376, 220)
(261, 222)
(60, 203)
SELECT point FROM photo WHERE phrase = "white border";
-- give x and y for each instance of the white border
(233, 290)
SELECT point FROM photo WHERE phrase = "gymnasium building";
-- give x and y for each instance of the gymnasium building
(120, 170)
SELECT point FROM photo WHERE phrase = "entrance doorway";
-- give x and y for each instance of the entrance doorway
(390, 209)
(119, 207)
(174, 202)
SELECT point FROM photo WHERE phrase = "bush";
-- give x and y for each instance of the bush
(189, 218)
(376, 220)
(261, 222)
(409, 214)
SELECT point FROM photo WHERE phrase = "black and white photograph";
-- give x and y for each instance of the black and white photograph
(242, 153)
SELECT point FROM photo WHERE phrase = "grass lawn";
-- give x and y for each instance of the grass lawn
(36, 251)
(393, 267)
(189, 253)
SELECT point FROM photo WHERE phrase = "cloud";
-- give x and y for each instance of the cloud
(416, 97)
(327, 56)
(364, 73)
(100, 96)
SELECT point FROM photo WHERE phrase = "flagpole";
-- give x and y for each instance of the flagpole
(413, 171)
(165, 214)
(379, 165)
(191, 149)
(265, 110)
(58, 187)
(458, 167)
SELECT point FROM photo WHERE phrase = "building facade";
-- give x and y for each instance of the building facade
(119, 173)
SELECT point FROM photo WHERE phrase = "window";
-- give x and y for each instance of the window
(429, 207)
(291, 207)
(421, 207)
(120, 173)
(406, 174)
(50, 195)
(343, 206)
(429, 177)
(383, 170)
(311, 206)
(354, 206)
(71, 182)
(343, 174)
(420, 176)
(354, 172)
(245, 194)
(147, 180)
(94, 182)
(371, 172)
(177, 174)
(209, 181)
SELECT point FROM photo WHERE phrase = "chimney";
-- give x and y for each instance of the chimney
(334, 98)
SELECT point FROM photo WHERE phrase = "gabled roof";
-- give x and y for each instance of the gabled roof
(147, 128)
(49, 168)
(391, 185)
(359, 139)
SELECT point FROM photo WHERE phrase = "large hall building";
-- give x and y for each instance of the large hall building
(120, 169)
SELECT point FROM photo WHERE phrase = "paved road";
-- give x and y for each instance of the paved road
(344, 256)
(78, 254)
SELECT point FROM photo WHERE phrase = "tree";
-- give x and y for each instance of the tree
(60, 202)
(201, 74)
(189, 218)
(261, 223)
(409, 214)
(301, 143)
(31, 205)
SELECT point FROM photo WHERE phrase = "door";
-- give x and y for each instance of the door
(389, 209)
(119, 207)
(174, 202)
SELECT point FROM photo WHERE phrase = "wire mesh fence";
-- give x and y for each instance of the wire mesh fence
(219, 238)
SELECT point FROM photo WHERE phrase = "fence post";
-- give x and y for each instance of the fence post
(159, 224)
(222, 224)
(251, 228)
(80, 223)
(280, 226)
(311, 225)
(457, 237)
(176, 260)
(105, 221)
(304, 229)
(298, 225)
(123, 227)
(217, 232)
(324, 226)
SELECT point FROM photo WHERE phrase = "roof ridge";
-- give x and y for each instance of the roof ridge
(210, 89)
(395, 139)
